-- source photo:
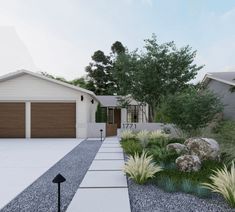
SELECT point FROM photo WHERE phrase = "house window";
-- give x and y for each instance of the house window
(133, 114)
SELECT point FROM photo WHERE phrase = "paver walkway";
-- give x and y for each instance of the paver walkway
(104, 187)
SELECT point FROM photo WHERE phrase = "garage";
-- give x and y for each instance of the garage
(12, 120)
(53, 120)
(35, 106)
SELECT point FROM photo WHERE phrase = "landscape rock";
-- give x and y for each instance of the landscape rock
(188, 163)
(177, 147)
(204, 148)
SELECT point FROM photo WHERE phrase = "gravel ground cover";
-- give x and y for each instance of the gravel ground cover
(41, 195)
(150, 198)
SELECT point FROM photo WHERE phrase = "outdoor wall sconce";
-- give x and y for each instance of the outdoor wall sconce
(92, 101)
(82, 97)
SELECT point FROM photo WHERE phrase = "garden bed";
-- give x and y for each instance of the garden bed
(149, 198)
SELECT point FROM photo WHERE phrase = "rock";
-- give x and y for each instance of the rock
(177, 147)
(204, 148)
(188, 163)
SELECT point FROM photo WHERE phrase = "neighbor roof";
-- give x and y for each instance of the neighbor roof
(22, 72)
(108, 101)
(225, 77)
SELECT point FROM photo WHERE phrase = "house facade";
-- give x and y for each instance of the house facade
(118, 116)
(35, 106)
(223, 85)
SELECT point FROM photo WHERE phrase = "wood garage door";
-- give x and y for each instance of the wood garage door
(53, 120)
(12, 120)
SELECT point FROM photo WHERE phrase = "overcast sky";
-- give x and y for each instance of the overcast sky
(59, 36)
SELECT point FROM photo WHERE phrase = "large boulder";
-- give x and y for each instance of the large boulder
(177, 147)
(188, 163)
(204, 148)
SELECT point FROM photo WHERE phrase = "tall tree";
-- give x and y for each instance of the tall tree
(160, 70)
(100, 72)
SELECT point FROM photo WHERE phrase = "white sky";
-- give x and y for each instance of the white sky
(59, 36)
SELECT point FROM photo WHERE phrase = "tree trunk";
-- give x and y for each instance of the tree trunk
(151, 113)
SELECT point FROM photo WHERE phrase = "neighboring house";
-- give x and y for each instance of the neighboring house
(117, 115)
(35, 106)
(223, 85)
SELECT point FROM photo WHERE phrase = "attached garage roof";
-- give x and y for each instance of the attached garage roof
(22, 72)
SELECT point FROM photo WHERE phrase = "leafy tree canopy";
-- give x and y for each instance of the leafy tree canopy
(191, 109)
(160, 70)
(100, 72)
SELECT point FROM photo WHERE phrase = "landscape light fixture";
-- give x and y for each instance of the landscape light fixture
(101, 136)
(59, 179)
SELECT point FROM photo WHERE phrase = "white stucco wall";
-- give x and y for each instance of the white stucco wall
(28, 88)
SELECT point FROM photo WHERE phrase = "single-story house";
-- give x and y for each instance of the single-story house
(223, 85)
(116, 114)
(35, 106)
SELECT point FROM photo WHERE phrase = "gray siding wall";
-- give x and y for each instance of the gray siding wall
(227, 98)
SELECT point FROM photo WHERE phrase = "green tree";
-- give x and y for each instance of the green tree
(100, 72)
(160, 70)
(191, 109)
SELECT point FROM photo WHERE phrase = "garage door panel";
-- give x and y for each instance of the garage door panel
(53, 133)
(53, 120)
(12, 120)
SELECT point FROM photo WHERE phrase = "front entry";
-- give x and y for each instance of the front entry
(113, 121)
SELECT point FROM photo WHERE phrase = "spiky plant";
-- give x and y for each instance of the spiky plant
(127, 134)
(187, 186)
(157, 134)
(143, 137)
(141, 168)
(223, 182)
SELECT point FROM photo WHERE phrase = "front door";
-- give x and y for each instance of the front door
(113, 121)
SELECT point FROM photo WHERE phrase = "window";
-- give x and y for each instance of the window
(133, 114)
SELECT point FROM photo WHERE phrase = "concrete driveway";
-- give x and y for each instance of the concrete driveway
(22, 161)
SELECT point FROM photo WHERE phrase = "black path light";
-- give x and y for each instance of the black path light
(59, 179)
(101, 136)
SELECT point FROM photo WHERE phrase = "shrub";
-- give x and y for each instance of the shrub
(141, 168)
(131, 147)
(192, 109)
(143, 137)
(227, 158)
(161, 154)
(176, 140)
(187, 186)
(127, 134)
(157, 134)
(167, 184)
(202, 192)
(223, 182)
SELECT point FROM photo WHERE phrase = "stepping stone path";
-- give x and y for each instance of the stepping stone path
(104, 187)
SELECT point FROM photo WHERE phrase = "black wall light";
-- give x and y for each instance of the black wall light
(92, 101)
(82, 97)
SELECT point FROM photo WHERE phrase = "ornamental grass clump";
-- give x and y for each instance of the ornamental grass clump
(143, 137)
(141, 168)
(157, 134)
(127, 134)
(223, 182)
